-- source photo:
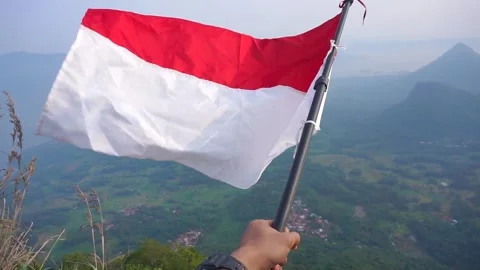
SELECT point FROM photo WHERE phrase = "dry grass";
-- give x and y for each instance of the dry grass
(91, 200)
(16, 252)
(15, 249)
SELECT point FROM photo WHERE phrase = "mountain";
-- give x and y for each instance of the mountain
(373, 57)
(432, 111)
(28, 77)
(459, 66)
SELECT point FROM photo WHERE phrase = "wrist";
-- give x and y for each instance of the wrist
(248, 258)
(221, 262)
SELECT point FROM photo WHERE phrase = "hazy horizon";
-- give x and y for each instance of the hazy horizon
(51, 26)
(396, 37)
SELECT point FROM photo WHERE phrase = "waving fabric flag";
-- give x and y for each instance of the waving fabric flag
(148, 87)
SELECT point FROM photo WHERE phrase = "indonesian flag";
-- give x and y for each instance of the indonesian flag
(148, 87)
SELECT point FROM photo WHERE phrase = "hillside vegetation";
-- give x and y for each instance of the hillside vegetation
(18, 252)
(391, 182)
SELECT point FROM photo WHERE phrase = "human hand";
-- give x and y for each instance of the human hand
(262, 247)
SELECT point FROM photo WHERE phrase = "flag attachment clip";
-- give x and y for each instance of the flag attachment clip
(316, 124)
(322, 80)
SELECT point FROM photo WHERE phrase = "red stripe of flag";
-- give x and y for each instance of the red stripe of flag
(216, 54)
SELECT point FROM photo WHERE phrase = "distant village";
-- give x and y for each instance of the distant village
(451, 144)
(301, 220)
(129, 211)
(189, 239)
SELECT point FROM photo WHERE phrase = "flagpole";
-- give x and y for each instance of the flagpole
(302, 148)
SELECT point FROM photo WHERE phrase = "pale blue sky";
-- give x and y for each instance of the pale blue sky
(51, 25)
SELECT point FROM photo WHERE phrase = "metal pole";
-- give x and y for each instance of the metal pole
(302, 149)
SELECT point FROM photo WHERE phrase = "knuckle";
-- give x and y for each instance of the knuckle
(253, 222)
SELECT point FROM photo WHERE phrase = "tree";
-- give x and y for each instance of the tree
(155, 255)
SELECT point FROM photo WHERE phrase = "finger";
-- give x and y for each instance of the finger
(284, 262)
(262, 223)
(277, 267)
(293, 239)
(269, 222)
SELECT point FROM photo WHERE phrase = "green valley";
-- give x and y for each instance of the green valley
(387, 185)
(403, 197)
